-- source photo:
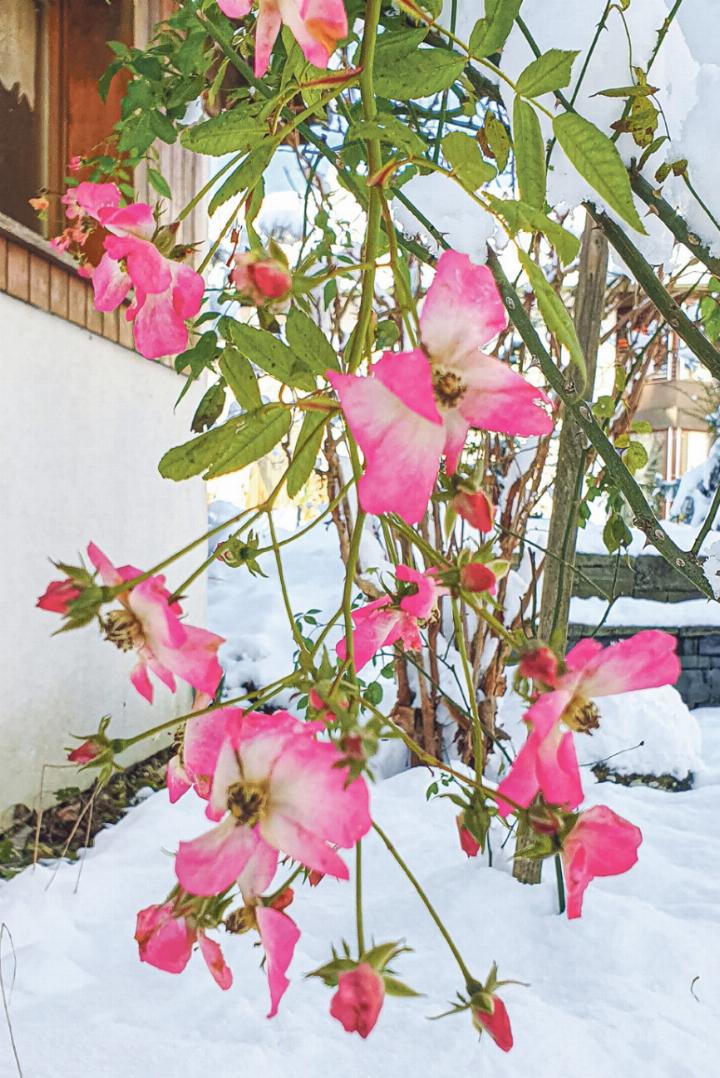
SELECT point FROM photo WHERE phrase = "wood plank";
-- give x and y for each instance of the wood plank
(59, 291)
(93, 318)
(39, 282)
(125, 334)
(111, 328)
(18, 272)
(77, 293)
(3, 264)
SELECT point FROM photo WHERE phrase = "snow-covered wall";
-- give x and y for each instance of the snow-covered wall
(83, 423)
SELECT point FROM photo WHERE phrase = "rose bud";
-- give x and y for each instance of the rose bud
(540, 665)
(494, 1021)
(85, 753)
(359, 999)
(468, 842)
(58, 596)
(260, 279)
(475, 576)
(476, 508)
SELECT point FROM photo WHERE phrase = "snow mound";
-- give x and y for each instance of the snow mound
(651, 732)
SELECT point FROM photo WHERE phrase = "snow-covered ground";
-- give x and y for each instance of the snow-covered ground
(633, 988)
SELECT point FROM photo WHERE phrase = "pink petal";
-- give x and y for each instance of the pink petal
(161, 672)
(258, 873)
(302, 845)
(148, 269)
(165, 941)
(95, 198)
(376, 626)
(107, 571)
(211, 863)
(141, 681)
(421, 604)
(161, 626)
(195, 660)
(235, 9)
(645, 661)
(309, 788)
(204, 735)
(408, 375)
(600, 844)
(499, 399)
(215, 962)
(111, 284)
(456, 429)
(135, 220)
(176, 779)
(267, 29)
(558, 771)
(463, 309)
(159, 330)
(188, 289)
(278, 934)
(402, 447)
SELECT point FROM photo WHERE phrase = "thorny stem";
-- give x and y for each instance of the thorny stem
(469, 980)
(358, 900)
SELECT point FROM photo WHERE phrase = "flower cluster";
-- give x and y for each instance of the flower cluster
(122, 249)
(316, 25)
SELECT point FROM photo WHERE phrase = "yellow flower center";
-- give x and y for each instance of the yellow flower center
(241, 920)
(247, 801)
(448, 387)
(581, 715)
(123, 630)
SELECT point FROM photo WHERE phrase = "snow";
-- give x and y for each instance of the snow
(590, 537)
(630, 988)
(645, 612)
(712, 568)
(466, 226)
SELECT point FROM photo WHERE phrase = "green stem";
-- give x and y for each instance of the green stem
(560, 883)
(297, 637)
(478, 740)
(708, 523)
(469, 979)
(358, 900)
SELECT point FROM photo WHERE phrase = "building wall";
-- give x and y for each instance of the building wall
(83, 423)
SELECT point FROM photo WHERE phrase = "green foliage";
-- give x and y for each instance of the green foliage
(551, 71)
(521, 217)
(209, 409)
(230, 447)
(244, 177)
(269, 353)
(466, 160)
(238, 372)
(497, 141)
(554, 312)
(307, 448)
(489, 34)
(597, 160)
(418, 73)
(231, 132)
(529, 154)
(309, 343)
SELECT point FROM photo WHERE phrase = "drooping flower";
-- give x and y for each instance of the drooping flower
(383, 622)
(359, 999)
(495, 1022)
(468, 843)
(476, 508)
(601, 843)
(260, 279)
(415, 406)
(165, 940)
(58, 595)
(547, 762)
(316, 25)
(149, 623)
(274, 788)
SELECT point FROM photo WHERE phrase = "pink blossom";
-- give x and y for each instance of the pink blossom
(85, 753)
(476, 508)
(495, 1022)
(260, 279)
(274, 788)
(381, 623)
(415, 406)
(149, 623)
(547, 762)
(75, 164)
(160, 317)
(58, 595)
(316, 25)
(165, 940)
(478, 577)
(601, 843)
(468, 843)
(278, 935)
(359, 999)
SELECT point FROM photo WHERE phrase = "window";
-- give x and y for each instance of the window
(52, 53)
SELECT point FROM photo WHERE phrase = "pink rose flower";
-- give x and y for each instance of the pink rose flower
(601, 843)
(260, 279)
(381, 623)
(166, 940)
(148, 623)
(495, 1022)
(547, 762)
(476, 508)
(202, 740)
(58, 596)
(316, 25)
(359, 999)
(413, 407)
(274, 788)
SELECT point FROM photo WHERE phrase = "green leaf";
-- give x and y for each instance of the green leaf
(554, 312)
(159, 183)
(245, 176)
(237, 371)
(232, 131)
(641, 426)
(466, 160)
(604, 407)
(209, 409)
(521, 217)
(422, 74)
(529, 154)
(374, 693)
(163, 127)
(394, 987)
(489, 34)
(271, 354)
(309, 343)
(391, 131)
(551, 71)
(598, 161)
(307, 448)
(635, 456)
(230, 447)
(616, 533)
(497, 139)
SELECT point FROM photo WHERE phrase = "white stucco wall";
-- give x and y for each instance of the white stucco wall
(83, 423)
